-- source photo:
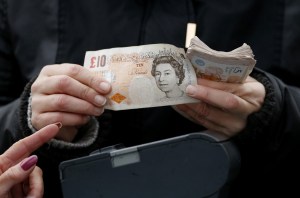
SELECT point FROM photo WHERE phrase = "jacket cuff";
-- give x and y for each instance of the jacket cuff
(88, 133)
(257, 123)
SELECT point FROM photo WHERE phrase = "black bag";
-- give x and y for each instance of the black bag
(192, 165)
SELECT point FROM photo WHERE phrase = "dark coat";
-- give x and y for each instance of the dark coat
(36, 33)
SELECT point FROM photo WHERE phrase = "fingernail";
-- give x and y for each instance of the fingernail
(190, 90)
(59, 124)
(104, 86)
(99, 111)
(100, 100)
(29, 162)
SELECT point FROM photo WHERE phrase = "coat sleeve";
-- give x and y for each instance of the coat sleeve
(10, 86)
(276, 125)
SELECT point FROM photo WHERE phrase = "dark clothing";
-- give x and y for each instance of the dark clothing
(36, 33)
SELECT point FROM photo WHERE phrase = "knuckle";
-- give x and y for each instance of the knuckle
(205, 93)
(61, 102)
(63, 82)
(93, 80)
(73, 69)
(55, 117)
(83, 119)
(34, 87)
(36, 103)
(12, 174)
(45, 69)
(7, 161)
(231, 102)
(58, 117)
(37, 120)
(85, 93)
(203, 110)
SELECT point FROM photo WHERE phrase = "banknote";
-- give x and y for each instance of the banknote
(143, 76)
(233, 66)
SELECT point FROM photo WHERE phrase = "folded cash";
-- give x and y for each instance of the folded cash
(233, 66)
(143, 76)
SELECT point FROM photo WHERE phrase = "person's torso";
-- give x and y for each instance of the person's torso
(51, 32)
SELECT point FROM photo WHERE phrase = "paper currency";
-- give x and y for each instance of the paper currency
(143, 76)
(233, 66)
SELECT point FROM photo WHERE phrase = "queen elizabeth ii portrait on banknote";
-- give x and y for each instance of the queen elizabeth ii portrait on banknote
(168, 74)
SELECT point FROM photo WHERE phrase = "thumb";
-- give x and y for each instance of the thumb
(17, 174)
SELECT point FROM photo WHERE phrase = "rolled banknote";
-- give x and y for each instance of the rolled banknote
(233, 66)
(143, 76)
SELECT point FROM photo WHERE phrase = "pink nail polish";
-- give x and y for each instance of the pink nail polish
(29, 162)
(59, 124)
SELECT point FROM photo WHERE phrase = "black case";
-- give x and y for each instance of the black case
(192, 165)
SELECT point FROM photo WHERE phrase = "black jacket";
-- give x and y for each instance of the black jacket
(36, 33)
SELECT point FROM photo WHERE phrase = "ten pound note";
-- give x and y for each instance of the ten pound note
(143, 76)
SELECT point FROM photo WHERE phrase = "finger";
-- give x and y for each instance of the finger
(26, 146)
(217, 98)
(200, 119)
(198, 112)
(64, 103)
(228, 87)
(215, 115)
(79, 73)
(17, 190)
(63, 84)
(36, 184)
(246, 90)
(213, 118)
(67, 133)
(67, 119)
(17, 174)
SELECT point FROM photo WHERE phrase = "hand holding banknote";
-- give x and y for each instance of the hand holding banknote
(66, 93)
(224, 107)
(227, 97)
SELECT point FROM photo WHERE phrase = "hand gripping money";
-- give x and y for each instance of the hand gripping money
(71, 96)
(227, 97)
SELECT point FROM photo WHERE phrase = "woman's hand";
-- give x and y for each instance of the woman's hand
(223, 107)
(67, 93)
(19, 175)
